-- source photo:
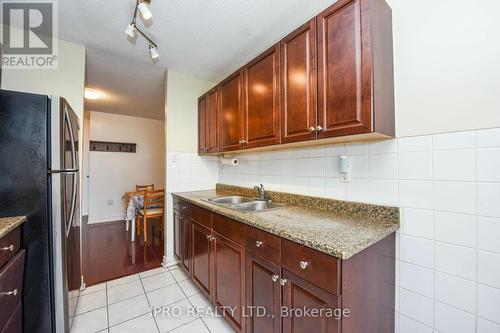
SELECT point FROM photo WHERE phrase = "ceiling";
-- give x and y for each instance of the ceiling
(207, 39)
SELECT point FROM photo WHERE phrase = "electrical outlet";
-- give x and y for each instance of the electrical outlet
(110, 202)
(344, 178)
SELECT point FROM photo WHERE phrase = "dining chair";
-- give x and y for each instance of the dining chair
(150, 187)
(153, 208)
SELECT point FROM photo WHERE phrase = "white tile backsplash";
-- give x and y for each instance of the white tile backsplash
(448, 189)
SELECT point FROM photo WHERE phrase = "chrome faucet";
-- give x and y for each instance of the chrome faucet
(261, 190)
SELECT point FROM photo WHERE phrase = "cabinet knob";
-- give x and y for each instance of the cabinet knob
(240, 142)
(243, 141)
(9, 293)
(275, 277)
(283, 282)
(319, 128)
(208, 237)
(303, 264)
(8, 248)
(311, 129)
(258, 243)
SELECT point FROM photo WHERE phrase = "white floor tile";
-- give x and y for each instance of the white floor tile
(93, 289)
(215, 322)
(176, 314)
(128, 309)
(123, 280)
(195, 326)
(91, 302)
(189, 288)
(158, 281)
(165, 296)
(179, 274)
(152, 272)
(124, 291)
(142, 324)
(92, 321)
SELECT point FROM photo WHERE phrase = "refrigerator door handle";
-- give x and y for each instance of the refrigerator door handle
(68, 171)
(74, 174)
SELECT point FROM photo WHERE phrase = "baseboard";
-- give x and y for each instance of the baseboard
(107, 219)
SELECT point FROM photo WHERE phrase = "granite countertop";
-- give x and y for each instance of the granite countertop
(7, 224)
(338, 228)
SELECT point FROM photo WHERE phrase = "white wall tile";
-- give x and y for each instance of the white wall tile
(486, 326)
(356, 149)
(360, 167)
(408, 325)
(488, 199)
(317, 167)
(459, 197)
(416, 165)
(385, 146)
(418, 222)
(332, 167)
(417, 307)
(316, 186)
(416, 278)
(488, 303)
(488, 164)
(456, 260)
(456, 140)
(300, 167)
(453, 320)
(384, 191)
(488, 234)
(335, 189)
(488, 269)
(455, 228)
(316, 151)
(456, 291)
(416, 250)
(335, 150)
(416, 194)
(384, 166)
(358, 189)
(459, 165)
(488, 137)
(415, 143)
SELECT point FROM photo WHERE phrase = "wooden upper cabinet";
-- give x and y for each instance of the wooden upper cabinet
(202, 124)
(262, 100)
(212, 121)
(231, 113)
(353, 36)
(298, 84)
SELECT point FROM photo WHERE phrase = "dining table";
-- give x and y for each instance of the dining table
(134, 201)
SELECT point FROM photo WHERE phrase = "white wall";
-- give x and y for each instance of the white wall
(186, 171)
(448, 188)
(447, 73)
(113, 174)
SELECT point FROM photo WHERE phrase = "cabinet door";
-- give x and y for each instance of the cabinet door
(344, 70)
(202, 124)
(177, 235)
(300, 294)
(262, 100)
(212, 128)
(201, 258)
(186, 241)
(229, 279)
(263, 290)
(298, 84)
(231, 113)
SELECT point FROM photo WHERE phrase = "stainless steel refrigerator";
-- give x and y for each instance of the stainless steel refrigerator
(39, 177)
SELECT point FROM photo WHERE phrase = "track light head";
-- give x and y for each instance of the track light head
(153, 52)
(144, 10)
(131, 30)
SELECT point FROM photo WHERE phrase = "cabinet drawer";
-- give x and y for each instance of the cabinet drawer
(201, 215)
(15, 323)
(316, 267)
(230, 228)
(11, 281)
(263, 244)
(9, 245)
(182, 206)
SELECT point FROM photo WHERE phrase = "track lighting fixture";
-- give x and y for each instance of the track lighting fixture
(143, 7)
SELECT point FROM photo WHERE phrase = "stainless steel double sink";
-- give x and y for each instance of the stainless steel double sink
(244, 204)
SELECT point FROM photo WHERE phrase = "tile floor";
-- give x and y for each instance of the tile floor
(126, 305)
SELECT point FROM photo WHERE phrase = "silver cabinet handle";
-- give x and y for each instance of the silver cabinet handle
(283, 282)
(208, 237)
(319, 128)
(8, 248)
(303, 264)
(275, 277)
(240, 142)
(9, 293)
(311, 129)
(258, 243)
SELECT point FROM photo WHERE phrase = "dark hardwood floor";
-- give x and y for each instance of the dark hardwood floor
(108, 252)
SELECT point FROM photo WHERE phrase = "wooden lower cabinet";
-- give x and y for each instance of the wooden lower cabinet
(299, 294)
(229, 280)
(177, 235)
(185, 244)
(202, 261)
(263, 295)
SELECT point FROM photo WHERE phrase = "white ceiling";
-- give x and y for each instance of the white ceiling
(208, 39)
